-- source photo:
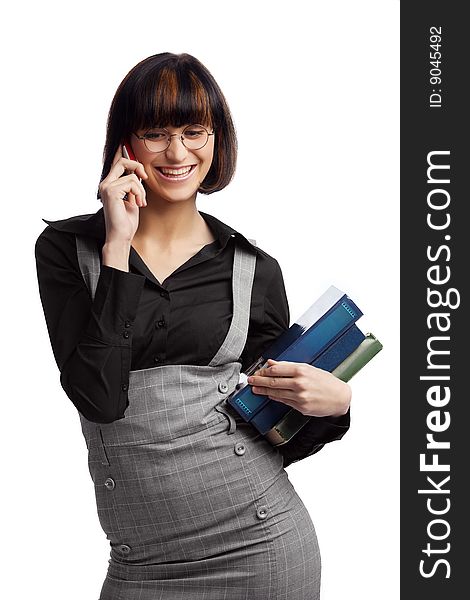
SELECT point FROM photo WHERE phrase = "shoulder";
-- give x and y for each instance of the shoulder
(90, 224)
(267, 266)
(268, 271)
(57, 239)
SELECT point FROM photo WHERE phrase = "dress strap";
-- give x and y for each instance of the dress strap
(88, 261)
(244, 263)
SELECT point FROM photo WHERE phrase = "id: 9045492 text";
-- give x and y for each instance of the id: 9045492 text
(435, 72)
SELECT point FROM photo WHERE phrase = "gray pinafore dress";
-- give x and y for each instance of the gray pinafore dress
(195, 502)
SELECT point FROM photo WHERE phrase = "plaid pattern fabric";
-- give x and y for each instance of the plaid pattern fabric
(194, 501)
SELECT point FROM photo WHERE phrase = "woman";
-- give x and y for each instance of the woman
(153, 309)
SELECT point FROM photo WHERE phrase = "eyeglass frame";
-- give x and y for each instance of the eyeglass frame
(170, 135)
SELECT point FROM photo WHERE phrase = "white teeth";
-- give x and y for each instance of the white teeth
(181, 171)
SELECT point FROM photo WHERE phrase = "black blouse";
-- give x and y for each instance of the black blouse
(135, 322)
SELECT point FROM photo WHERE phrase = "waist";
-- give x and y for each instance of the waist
(168, 402)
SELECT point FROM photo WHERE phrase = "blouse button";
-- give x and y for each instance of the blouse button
(160, 323)
(125, 334)
(164, 294)
(223, 387)
(240, 449)
(262, 512)
(125, 549)
(127, 323)
(124, 387)
(157, 359)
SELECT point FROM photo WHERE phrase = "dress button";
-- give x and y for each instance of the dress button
(125, 334)
(124, 387)
(240, 448)
(262, 512)
(160, 323)
(157, 359)
(125, 549)
(127, 323)
(223, 387)
(109, 483)
(164, 294)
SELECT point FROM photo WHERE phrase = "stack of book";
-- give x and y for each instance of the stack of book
(326, 337)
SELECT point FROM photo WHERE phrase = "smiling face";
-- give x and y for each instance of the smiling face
(176, 173)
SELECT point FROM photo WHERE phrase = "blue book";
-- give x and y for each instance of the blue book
(306, 347)
(273, 411)
(317, 310)
(339, 350)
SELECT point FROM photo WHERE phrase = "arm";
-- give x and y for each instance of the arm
(319, 430)
(86, 336)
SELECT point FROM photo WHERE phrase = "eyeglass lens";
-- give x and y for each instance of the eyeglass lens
(158, 139)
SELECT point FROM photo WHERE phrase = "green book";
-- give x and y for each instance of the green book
(359, 357)
(293, 421)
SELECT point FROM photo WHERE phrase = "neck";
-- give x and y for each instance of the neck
(167, 224)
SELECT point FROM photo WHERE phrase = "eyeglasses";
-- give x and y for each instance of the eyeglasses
(193, 137)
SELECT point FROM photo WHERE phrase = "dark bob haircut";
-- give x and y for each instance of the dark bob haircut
(173, 89)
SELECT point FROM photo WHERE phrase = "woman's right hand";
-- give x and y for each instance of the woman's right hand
(122, 216)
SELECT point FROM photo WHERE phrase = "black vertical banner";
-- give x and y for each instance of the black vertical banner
(435, 326)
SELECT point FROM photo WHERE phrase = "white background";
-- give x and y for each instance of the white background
(324, 201)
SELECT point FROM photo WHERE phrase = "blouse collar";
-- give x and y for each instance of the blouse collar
(93, 225)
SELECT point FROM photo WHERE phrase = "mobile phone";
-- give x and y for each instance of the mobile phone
(127, 151)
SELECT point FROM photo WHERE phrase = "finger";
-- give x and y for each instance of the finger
(285, 396)
(117, 155)
(134, 166)
(137, 193)
(282, 369)
(140, 171)
(136, 184)
(131, 199)
(120, 167)
(287, 383)
(139, 167)
(129, 183)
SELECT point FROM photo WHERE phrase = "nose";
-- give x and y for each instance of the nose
(176, 150)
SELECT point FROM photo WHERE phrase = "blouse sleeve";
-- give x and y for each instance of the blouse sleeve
(319, 430)
(91, 340)
(267, 324)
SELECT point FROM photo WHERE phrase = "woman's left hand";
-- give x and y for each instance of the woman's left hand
(311, 391)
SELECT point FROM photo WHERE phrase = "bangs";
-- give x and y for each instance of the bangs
(171, 97)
